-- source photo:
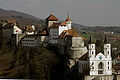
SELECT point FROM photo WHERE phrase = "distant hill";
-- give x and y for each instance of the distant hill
(12, 14)
(79, 27)
(24, 19)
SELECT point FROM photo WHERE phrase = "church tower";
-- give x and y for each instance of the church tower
(107, 48)
(68, 21)
(91, 48)
(50, 20)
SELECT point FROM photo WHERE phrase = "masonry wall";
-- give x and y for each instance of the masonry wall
(75, 47)
(7, 34)
(103, 77)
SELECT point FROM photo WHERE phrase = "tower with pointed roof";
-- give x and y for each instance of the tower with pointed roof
(91, 48)
(50, 20)
(107, 47)
(68, 21)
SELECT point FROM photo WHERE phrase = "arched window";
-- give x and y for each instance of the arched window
(92, 52)
(108, 52)
(100, 68)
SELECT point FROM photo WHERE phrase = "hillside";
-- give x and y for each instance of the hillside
(26, 19)
(11, 14)
(23, 19)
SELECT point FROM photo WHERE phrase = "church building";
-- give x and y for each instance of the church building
(98, 65)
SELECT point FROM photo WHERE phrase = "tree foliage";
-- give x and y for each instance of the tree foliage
(27, 63)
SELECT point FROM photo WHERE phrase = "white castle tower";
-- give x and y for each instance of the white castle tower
(68, 21)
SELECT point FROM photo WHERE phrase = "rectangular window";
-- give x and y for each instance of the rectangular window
(108, 67)
(100, 71)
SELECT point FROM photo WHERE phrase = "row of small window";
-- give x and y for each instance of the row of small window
(63, 25)
(55, 32)
(28, 43)
(28, 40)
(100, 66)
(93, 63)
(53, 38)
(54, 35)
(107, 51)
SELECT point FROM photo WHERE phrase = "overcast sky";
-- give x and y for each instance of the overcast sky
(86, 12)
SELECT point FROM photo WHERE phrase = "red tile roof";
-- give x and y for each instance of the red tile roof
(43, 32)
(68, 19)
(56, 25)
(8, 26)
(11, 21)
(29, 29)
(52, 17)
(68, 32)
(118, 58)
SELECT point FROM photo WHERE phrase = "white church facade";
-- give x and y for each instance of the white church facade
(98, 65)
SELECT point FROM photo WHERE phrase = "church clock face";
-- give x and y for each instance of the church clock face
(100, 57)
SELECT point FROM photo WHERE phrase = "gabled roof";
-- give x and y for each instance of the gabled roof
(8, 26)
(68, 19)
(67, 33)
(56, 25)
(52, 17)
(43, 32)
(11, 21)
(90, 40)
(106, 39)
(29, 28)
(118, 58)
(30, 36)
(84, 57)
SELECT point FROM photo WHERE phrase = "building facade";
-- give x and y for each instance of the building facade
(55, 28)
(99, 64)
(71, 44)
(30, 41)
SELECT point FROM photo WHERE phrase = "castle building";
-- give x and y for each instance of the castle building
(50, 20)
(55, 28)
(98, 65)
(44, 36)
(30, 30)
(72, 44)
(30, 41)
(10, 33)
